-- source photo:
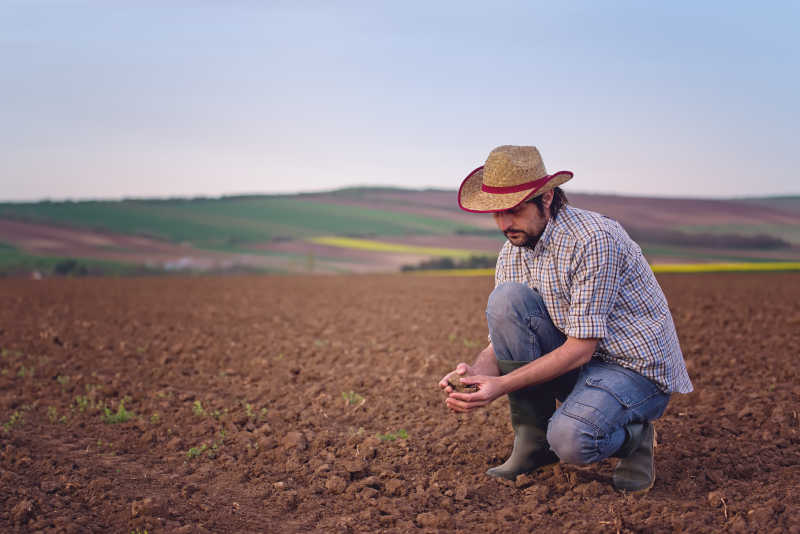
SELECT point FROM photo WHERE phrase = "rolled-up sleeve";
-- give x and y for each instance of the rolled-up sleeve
(596, 277)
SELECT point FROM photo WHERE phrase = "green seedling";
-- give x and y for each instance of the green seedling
(25, 371)
(392, 436)
(352, 398)
(452, 337)
(154, 419)
(15, 420)
(470, 344)
(52, 414)
(251, 413)
(122, 415)
(197, 409)
(62, 380)
(82, 402)
(194, 452)
(210, 451)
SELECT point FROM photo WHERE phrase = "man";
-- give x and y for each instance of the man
(576, 315)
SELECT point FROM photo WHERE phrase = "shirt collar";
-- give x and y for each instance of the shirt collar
(544, 240)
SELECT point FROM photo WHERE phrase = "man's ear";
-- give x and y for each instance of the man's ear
(547, 199)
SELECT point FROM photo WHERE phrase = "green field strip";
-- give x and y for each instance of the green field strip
(130, 218)
(383, 246)
(228, 220)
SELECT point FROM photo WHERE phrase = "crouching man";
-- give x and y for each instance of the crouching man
(576, 315)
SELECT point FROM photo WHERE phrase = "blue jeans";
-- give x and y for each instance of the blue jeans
(598, 399)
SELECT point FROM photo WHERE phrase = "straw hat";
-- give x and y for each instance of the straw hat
(512, 174)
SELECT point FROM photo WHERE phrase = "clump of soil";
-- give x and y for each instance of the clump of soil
(455, 383)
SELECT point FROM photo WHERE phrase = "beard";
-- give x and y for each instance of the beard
(520, 238)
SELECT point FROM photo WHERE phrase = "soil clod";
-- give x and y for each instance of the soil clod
(455, 382)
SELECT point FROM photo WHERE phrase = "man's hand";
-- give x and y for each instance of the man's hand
(489, 388)
(462, 369)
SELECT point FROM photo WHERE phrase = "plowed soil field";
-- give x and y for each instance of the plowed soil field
(297, 404)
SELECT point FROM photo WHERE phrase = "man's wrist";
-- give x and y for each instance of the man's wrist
(504, 381)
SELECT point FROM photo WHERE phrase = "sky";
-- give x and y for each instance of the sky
(113, 99)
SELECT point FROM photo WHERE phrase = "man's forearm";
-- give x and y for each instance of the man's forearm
(486, 362)
(571, 355)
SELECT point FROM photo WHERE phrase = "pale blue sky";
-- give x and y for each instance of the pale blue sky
(108, 99)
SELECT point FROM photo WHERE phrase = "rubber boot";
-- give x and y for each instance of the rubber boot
(636, 471)
(531, 408)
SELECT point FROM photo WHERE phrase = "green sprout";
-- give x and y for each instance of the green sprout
(122, 415)
(15, 420)
(82, 401)
(392, 436)
(197, 409)
(194, 452)
(352, 398)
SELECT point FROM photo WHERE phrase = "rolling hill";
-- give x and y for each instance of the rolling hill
(360, 230)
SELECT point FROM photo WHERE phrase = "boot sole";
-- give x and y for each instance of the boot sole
(540, 469)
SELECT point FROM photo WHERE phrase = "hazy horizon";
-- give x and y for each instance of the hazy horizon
(110, 101)
(454, 191)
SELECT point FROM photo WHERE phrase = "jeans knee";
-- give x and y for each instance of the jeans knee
(572, 440)
(508, 299)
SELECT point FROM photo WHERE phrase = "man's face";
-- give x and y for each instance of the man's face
(524, 224)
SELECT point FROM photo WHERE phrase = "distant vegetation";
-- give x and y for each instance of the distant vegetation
(473, 262)
(15, 262)
(708, 240)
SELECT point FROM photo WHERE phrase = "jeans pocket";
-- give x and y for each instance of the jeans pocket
(629, 391)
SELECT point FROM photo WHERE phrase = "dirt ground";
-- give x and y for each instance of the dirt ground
(297, 404)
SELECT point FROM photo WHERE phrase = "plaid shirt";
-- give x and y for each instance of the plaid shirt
(596, 283)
